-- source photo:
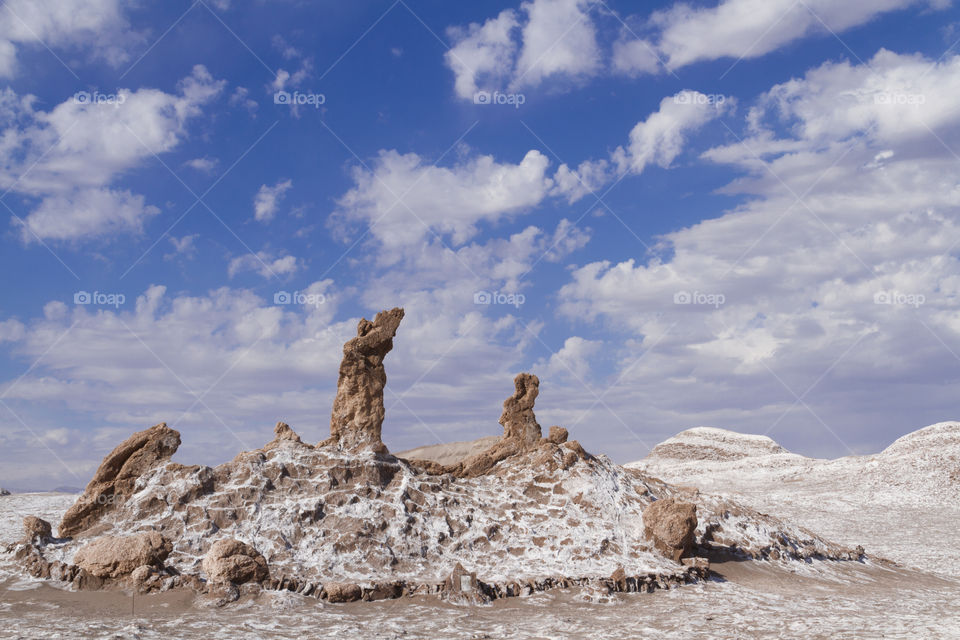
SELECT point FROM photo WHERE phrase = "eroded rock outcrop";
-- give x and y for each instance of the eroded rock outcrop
(36, 530)
(671, 525)
(118, 556)
(357, 415)
(114, 480)
(230, 560)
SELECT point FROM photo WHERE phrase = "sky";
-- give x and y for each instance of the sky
(739, 214)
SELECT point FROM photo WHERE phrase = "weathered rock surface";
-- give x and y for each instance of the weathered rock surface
(518, 419)
(342, 591)
(671, 525)
(117, 556)
(230, 560)
(358, 412)
(521, 434)
(282, 434)
(114, 480)
(36, 529)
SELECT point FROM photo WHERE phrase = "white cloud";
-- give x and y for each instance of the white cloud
(264, 264)
(553, 39)
(185, 246)
(203, 165)
(634, 57)
(86, 213)
(559, 39)
(268, 198)
(571, 361)
(70, 156)
(97, 27)
(752, 28)
(660, 138)
(482, 52)
(798, 280)
(403, 198)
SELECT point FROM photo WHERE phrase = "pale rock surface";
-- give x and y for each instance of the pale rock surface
(671, 524)
(230, 560)
(114, 480)
(358, 410)
(36, 529)
(118, 556)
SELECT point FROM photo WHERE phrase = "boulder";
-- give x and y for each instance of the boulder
(671, 524)
(117, 556)
(232, 561)
(4, 492)
(558, 435)
(342, 592)
(36, 529)
(114, 480)
(358, 412)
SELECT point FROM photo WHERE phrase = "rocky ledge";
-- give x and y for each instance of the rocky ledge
(345, 520)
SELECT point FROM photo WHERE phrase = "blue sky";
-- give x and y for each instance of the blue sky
(732, 214)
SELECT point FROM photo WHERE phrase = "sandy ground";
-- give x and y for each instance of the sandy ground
(746, 600)
(450, 453)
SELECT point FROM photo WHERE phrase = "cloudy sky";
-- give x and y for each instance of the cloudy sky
(739, 214)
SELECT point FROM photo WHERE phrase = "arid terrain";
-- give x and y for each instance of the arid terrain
(714, 534)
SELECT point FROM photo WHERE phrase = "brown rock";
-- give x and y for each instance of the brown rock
(462, 586)
(558, 435)
(115, 479)
(671, 525)
(116, 556)
(230, 560)
(358, 411)
(141, 574)
(282, 434)
(342, 592)
(36, 529)
(518, 419)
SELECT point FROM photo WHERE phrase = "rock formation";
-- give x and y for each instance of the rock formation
(117, 556)
(519, 422)
(232, 561)
(671, 524)
(114, 480)
(358, 411)
(4, 492)
(36, 529)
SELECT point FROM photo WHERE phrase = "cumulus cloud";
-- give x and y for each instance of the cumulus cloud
(98, 27)
(404, 197)
(545, 39)
(263, 263)
(70, 156)
(268, 198)
(837, 276)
